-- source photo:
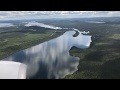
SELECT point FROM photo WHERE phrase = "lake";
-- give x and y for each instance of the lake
(51, 59)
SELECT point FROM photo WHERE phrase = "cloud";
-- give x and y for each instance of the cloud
(4, 15)
(41, 25)
(6, 25)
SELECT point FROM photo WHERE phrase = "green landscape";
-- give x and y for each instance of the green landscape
(13, 41)
(100, 61)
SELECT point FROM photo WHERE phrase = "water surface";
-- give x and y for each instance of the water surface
(51, 59)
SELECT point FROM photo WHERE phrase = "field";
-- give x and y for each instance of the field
(100, 61)
(12, 41)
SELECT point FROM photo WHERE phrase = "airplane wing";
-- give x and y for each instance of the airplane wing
(12, 70)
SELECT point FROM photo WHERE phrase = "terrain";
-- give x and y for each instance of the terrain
(13, 39)
(100, 61)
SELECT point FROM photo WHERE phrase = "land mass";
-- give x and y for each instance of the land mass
(100, 61)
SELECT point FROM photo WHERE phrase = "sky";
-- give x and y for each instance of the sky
(13, 15)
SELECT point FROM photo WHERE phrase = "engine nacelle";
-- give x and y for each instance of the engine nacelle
(12, 70)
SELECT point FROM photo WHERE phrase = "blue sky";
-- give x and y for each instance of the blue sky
(8, 15)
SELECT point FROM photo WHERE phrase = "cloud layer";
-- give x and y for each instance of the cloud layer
(4, 15)
(6, 25)
(41, 25)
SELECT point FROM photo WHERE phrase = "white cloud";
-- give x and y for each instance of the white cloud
(55, 14)
(41, 25)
